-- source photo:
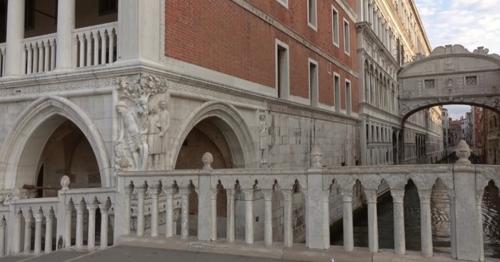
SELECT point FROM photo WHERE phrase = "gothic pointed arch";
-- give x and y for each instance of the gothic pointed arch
(232, 127)
(25, 142)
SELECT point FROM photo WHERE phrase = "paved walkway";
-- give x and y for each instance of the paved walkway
(144, 252)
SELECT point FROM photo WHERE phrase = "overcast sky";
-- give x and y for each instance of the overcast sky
(471, 23)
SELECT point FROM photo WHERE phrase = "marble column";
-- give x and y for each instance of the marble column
(140, 190)
(17, 232)
(67, 224)
(91, 207)
(79, 225)
(248, 196)
(27, 232)
(371, 195)
(347, 220)
(38, 232)
(15, 37)
(169, 212)
(66, 12)
(184, 192)
(48, 231)
(153, 192)
(287, 230)
(104, 208)
(230, 215)
(425, 222)
(268, 217)
(399, 220)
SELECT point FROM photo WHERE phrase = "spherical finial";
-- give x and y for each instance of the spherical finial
(463, 152)
(65, 182)
(207, 159)
(316, 157)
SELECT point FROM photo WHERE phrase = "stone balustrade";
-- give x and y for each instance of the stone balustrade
(188, 205)
(39, 54)
(96, 45)
(465, 185)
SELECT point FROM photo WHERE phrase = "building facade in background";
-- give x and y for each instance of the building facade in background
(390, 35)
(491, 136)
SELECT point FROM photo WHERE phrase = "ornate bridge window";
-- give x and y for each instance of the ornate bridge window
(429, 83)
(471, 80)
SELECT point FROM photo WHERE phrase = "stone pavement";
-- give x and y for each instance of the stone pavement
(134, 252)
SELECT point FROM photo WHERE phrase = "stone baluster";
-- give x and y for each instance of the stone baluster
(268, 217)
(479, 210)
(371, 195)
(104, 208)
(184, 192)
(425, 222)
(347, 219)
(91, 207)
(27, 232)
(153, 192)
(38, 232)
(102, 32)
(399, 220)
(213, 214)
(169, 212)
(67, 224)
(126, 209)
(140, 191)
(287, 230)
(230, 215)
(79, 225)
(95, 35)
(48, 231)
(2, 236)
(248, 196)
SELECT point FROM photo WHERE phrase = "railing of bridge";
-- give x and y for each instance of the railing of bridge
(188, 205)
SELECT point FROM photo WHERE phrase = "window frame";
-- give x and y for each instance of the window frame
(282, 93)
(336, 91)
(313, 90)
(337, 29)
(347, 48)
(348, 96)
(312, 24)
(284, 3)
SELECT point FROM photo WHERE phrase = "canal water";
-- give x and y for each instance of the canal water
(440, 221)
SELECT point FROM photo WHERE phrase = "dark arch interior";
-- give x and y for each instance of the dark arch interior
(209, 135)
(66, 152)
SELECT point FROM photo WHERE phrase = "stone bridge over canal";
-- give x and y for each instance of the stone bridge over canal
(450, 75)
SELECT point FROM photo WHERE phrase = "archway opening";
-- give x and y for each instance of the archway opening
(210, 135)
(62, 150)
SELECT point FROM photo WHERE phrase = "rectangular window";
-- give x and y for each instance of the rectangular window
(429, 83)
(336, 91)
(312, 13)
(347, 37)
(348, 99)
(283, 3)
(313, 82)
(335, 26)
(282, 70)
(471, 80)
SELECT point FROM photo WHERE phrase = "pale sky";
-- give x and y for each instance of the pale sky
(471, 23)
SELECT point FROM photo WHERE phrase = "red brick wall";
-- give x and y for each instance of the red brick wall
(222, 36)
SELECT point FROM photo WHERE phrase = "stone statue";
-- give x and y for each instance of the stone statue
(65, 181)
(263, 139)
(159, 121)
(131, 136)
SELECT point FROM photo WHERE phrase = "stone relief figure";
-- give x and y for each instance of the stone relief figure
(130, 136)
(142, 125)
(159, 121)
(264, 139)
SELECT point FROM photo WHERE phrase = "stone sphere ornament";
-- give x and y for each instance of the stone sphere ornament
(463, 153)
(207, 159)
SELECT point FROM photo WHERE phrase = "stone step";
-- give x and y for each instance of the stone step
(61, 255)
